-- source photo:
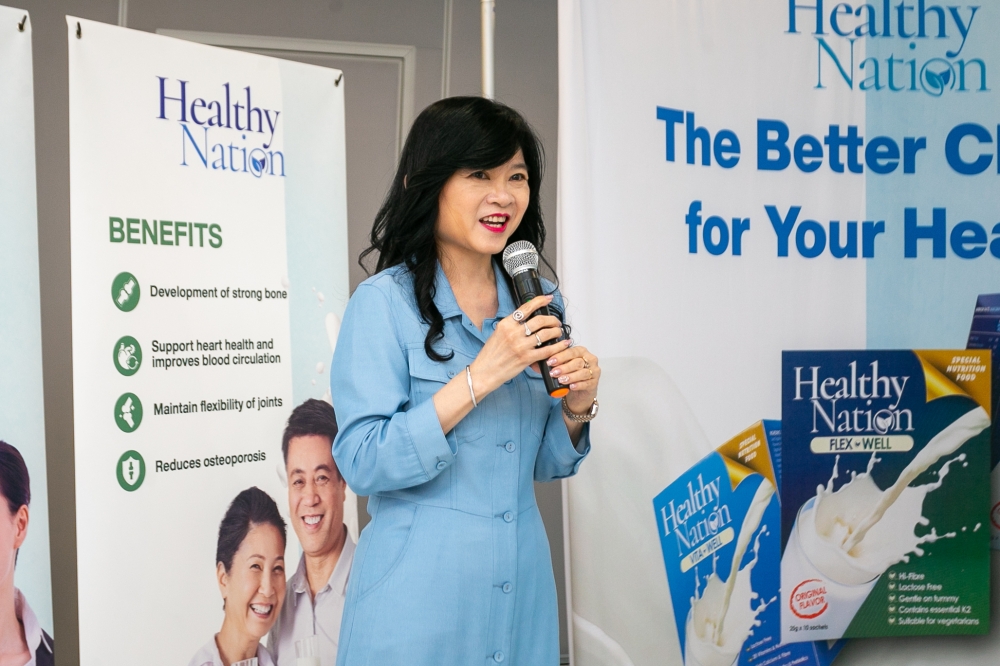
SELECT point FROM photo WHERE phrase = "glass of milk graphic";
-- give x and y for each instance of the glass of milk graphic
(701, 652)
(307, 651)
(824, 586)
(723, 616)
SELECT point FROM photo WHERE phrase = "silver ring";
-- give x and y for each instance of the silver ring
(518, 315)
(527, 331)
(539, 340)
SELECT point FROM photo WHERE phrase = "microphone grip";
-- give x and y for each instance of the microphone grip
(526, 287)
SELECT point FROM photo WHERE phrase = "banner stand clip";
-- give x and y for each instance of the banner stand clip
(79, 30)
(20, 26)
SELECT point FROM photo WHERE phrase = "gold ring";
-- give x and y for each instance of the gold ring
(591, 374)
(586, 364)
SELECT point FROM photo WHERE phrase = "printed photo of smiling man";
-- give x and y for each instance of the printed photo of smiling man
(314, 596)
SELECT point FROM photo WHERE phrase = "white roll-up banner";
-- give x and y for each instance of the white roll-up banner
(209, 268)
(22, 416)
(743, 178)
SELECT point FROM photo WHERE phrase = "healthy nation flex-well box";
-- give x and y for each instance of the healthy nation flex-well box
(719, 530)
(886, 495)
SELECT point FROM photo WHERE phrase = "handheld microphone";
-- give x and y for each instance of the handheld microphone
(520, 259)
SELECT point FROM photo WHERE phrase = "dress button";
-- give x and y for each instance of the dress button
(510, 447)
(509, 516)
(495, 325)
(507, 587)
(498, 656)
(509, 381)
(442, 465)
(451, 373)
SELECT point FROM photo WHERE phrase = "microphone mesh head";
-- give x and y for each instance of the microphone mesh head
(520, 256)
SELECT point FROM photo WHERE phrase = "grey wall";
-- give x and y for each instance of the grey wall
(526, 78)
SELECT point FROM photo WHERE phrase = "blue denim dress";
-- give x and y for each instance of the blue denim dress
(454, 568)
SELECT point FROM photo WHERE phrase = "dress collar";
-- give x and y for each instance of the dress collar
(444, 297)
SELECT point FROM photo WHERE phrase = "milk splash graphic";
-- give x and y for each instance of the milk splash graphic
(722, 618)
(855, 533)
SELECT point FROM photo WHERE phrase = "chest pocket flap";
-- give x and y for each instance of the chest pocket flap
(427, 377)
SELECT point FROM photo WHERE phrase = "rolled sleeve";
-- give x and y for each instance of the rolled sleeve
(384, 443)
(428, 439)
(557, 457)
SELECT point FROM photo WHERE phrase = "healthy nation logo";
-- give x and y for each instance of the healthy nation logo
(224, 131)
(896, 27)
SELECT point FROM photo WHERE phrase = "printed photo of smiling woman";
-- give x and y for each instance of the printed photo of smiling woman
(250, 567)
(22, 640)
(314, 597)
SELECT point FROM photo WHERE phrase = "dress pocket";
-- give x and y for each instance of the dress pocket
(427, 377)
(392, 528)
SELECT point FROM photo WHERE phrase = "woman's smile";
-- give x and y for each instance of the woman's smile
(496, 223)
(262, 611)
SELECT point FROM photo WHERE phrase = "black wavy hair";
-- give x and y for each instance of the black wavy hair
(451, 134)
(15, 484)
(251, 507)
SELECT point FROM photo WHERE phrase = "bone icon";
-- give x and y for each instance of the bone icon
(126, 292)
(127, 413)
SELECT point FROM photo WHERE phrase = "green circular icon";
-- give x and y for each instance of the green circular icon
(131, 471)
(125, 292)
(128, 412)
(127, 355)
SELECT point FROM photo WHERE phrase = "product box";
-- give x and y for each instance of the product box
(886, 462)
(985, 334)
(719, 530)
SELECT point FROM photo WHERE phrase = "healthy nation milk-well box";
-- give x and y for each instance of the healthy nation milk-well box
(886, 495)
(719, 526)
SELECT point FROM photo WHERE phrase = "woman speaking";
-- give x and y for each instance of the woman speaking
(444, 422)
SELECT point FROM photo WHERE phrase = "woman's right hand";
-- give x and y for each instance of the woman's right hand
(515, 344)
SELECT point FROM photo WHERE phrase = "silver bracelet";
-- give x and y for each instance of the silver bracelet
(580, 418)
(472, 394)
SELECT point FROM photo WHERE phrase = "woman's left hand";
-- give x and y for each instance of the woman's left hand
(577, 368)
